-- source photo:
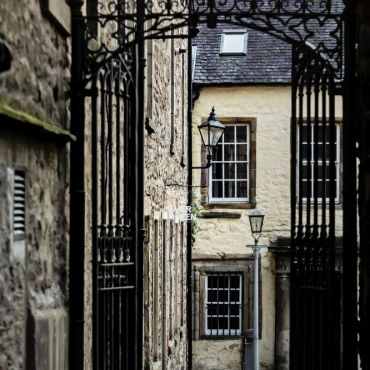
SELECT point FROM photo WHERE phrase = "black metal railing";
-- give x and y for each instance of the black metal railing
(315, 300)
(114, 253)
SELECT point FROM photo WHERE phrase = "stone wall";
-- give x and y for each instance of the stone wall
(33, 276)
(224, 230)
(165, 207)
(38, 78)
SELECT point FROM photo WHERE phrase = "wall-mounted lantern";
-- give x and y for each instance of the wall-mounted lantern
(211, 132)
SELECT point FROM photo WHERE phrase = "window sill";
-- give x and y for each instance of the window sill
(220, 214)
(231, 205)
(222, 337)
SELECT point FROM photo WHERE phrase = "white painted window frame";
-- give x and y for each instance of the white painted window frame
(337, 162)
(224, 332)
(210, 181)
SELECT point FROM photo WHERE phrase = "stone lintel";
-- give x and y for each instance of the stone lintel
(221, 257)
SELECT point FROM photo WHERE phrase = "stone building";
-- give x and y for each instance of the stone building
(246, 76)
(34, 183)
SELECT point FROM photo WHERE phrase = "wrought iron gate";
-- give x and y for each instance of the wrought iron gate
(113, 110)
(315, 295)
(107, 104)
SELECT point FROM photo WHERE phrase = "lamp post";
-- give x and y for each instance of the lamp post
(210, 132)
(256, 222)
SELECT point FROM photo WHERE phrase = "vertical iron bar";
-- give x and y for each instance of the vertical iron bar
(331, 255)
(118, 143)
(94, 216)
(77, 193)
(140, 176)
(103, 195)
(293, 201)
(349, 194)
(109, 92)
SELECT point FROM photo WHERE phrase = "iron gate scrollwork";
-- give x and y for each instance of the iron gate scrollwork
(114, 257)
(107, 74)
(315, 288)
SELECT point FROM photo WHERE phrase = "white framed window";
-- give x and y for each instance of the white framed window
(234, 42)
(229, 174)
(322, 147)
(223, 304)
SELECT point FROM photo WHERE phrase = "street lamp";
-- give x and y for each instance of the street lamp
(256, 222)
(210, 132)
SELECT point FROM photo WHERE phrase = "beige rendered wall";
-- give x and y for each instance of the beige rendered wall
(222, 238)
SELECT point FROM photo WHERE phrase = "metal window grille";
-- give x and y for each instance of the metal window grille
(229, 178)
(310, 179)
(223, 304)
(19, 203)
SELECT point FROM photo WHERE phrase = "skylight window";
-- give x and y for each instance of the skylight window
(234, 42)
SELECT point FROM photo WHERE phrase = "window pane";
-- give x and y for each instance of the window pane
(304, 189)
(305, 168)
(241, 171)
(217, 189)
(212, 322)
(223, 295)
(234, 295)
(212, 281)
(233, 43)
(211, 309)
(229, 136)
(241, 152)
(217, 171)
(327, 153)
(217, 153)
(229, 152)
(212, 295)
(223, 282)
(229, 189)
(235, 310)
(223, 323)
(234, 281)
(234, 323)
(229, 170)
(305, 152)
(304, 133)
(241, 134)
(242, 189)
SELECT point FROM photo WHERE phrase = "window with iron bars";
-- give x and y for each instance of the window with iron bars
(223, 304)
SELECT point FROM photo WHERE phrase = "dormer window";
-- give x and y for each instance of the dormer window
(234, 42)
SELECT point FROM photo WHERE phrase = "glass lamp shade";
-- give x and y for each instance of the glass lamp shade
(211, 130)
(256, 222)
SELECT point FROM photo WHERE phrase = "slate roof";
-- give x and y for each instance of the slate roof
(268, 60)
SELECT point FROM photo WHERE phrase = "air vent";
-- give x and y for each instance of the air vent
(19, 210)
